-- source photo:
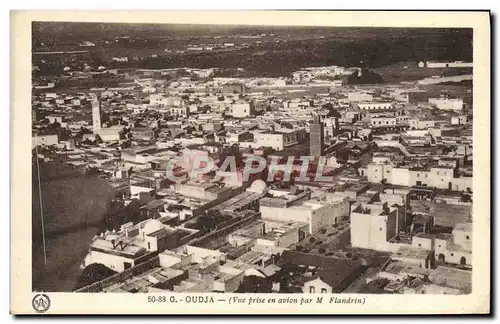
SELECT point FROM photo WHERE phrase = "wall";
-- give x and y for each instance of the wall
(328, 215)
(288, 238)
(111, 261)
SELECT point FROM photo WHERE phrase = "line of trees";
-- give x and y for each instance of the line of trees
(118, 213)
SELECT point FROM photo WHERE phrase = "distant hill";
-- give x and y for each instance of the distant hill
(289, 49)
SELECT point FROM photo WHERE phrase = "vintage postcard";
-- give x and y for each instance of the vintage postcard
(250, 162)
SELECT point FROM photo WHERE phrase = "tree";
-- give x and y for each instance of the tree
(115, 216)
(333, 113)
(54, 125)
(312, 240)
(255, 284)
(92, 171)
(327, 106)
(132, 212)
(364, 76)
(93, 273)
(375, 286)
(87, 142)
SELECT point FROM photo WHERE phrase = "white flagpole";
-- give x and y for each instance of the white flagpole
(41, 203)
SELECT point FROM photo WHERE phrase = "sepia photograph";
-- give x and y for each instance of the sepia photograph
(248, 164)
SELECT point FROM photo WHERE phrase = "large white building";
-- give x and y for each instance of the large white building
(373, 225)
(276, 140)
(133, 244)
(316, 213)
(440, 177)
(242, 109)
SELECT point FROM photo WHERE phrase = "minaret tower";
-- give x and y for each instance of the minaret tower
(96, 112)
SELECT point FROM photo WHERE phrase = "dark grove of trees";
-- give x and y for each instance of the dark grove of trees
(118, 214)
(366, 77)
(255, 284)
(93, 273)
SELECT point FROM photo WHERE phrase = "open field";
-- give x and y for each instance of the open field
(408, 71)
(278, 53)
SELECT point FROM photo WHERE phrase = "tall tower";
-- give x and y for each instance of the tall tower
(316, 137)
(96, 112)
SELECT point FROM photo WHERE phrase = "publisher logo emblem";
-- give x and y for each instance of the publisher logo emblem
(41, 303)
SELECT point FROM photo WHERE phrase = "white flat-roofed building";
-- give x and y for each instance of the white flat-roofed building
(373, 225)
(133, 244)
(242, 109)
(317, 213)
(40, 140)
(455, 104)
